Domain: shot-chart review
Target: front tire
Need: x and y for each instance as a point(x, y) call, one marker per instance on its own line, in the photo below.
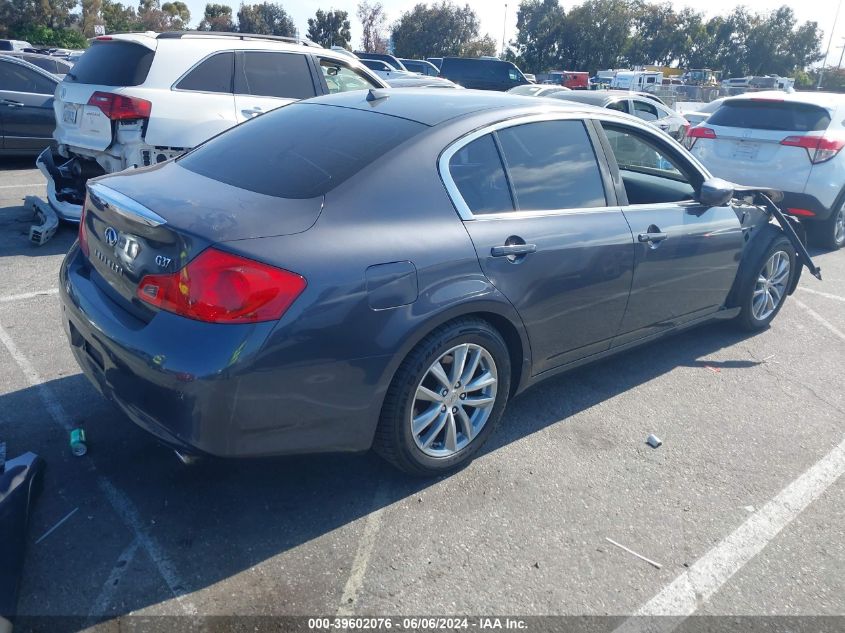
point(446, 399)
point(765, 283)
point(830, 233)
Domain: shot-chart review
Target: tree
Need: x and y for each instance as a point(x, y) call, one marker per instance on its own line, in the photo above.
point(330, 28)
point(596, 34)
point(539, 36)
point(442, 30)
point(217, 17)
point(176, 15)
point(119, 19)
point(372, 19)
point(265, 19)
point(90, 16)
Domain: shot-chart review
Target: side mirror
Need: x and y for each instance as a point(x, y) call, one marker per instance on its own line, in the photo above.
point(716, 192)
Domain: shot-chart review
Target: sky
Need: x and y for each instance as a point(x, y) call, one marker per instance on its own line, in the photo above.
point(494, 17)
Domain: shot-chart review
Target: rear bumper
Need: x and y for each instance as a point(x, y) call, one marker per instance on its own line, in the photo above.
point(66, 211)
point(214, 389)
point(796, 204)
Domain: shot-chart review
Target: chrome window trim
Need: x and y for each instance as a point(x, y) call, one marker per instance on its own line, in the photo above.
point(125, 206)
point(454, 193)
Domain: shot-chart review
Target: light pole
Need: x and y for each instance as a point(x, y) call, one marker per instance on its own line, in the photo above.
point(505, 25)
point(829, 42)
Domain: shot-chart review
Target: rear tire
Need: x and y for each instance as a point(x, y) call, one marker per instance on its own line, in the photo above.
point(764, 283)
point(830, 233)
point(446, 399)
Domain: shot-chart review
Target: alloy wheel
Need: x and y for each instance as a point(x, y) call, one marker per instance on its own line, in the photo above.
point(771, 286)
point(839, 226)
point(454, 400)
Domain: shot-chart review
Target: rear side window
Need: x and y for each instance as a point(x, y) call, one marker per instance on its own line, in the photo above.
point(16, 78)
point(771, 115)
point(645, 111)
point(299, 151)
point(478, 173)
point(113, 63)
point(552, 166)
point(283, 75)
point(214, 74)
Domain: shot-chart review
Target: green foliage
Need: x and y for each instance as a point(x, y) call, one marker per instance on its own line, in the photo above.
point(330, 28)
point(118, 18)
point(45, 36)
point(265, 19)
point(598, 34)
point(440, 30)
point(372, 20)
point(217, 17)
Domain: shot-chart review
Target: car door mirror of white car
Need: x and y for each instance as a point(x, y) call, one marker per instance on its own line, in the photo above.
point(716, 192)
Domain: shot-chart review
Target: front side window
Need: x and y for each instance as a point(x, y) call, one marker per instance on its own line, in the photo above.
point(620, 106)
point(479, 175)
point(283, 75)
point(341, 78)
point(15, 78)
point(645, 111)
point(650, 172)
point(552, 165)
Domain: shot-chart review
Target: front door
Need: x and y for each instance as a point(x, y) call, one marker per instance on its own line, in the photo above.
point(687, 254)
point(26, 104)
point(267, 80)
point(535, 204)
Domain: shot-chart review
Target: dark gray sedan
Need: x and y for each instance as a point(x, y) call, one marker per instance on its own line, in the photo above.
point(387, 268)
point(27, 120)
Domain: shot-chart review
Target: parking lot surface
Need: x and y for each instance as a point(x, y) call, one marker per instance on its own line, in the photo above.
point(742, 506)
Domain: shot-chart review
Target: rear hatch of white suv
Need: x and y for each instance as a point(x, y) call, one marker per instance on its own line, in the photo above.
point(97, 92)
point(765, 141)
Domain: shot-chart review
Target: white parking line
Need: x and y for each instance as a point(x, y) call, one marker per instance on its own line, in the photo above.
point(365, 550)
point(37, 184)
point(29, 295)
point(710, 572)
point(818, 317)
point(121, 504)
point(826, 295)
point(103, 601)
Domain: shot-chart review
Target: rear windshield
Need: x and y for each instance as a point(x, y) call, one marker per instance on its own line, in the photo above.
point(771, 115)
point(300, 150)
point(113, 63)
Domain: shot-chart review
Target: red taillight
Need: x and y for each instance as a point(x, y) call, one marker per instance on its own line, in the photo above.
point(120, 107)
point(695, 133)
point(83, 233)
point(819, 149)
point(802, 212)
point(219, 287)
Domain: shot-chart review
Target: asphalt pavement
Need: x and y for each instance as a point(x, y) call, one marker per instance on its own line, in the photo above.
point(742, 507)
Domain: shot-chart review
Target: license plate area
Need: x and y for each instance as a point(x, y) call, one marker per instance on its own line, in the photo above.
point(69, 114)
point(746, 151)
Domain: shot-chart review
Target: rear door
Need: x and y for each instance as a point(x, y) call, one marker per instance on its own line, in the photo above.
point(749, 147)
point(686, 254)
point(26, 108)
point(534, 200)
point(109, 66)
point(266, 80)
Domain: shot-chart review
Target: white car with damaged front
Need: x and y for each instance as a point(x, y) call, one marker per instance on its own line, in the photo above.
point(135, 100)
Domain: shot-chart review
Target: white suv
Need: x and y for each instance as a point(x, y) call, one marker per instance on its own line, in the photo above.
point(791, 142)
point(139, 99)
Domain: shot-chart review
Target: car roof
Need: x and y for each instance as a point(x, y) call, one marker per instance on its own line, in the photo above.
point(592, 97)
point(828, 100)
point(432, 107)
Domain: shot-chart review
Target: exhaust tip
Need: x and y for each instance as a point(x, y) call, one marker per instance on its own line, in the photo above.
point(185, 458)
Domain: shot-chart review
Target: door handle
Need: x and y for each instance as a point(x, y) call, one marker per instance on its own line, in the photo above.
point(251, 112)
point(653, 238)
point(12, 104)
point(512, 250)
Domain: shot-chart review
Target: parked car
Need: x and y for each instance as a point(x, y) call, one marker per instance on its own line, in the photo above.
point(654, 113)
point(386, 71)
point(574, 80)
point(138, 99)
point(213, 297)
point(26, 107)
point(482, 74)
point(530, 77)
point(789, 140)
point(421, 66)
point(53, 65)
point(639, 93)
point(537, 90)
point(384, 57)
point(421, 81)
point(643, 80)
point(701, 114)
point(435, 61)
point(14, 45)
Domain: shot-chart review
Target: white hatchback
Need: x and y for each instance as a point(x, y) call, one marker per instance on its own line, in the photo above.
point(139, 99)
point(791, 142)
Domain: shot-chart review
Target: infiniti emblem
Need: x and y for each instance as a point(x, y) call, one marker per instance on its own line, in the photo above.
point(111, 236)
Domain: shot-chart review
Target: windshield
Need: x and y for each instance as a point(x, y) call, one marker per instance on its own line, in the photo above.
point(771, 115)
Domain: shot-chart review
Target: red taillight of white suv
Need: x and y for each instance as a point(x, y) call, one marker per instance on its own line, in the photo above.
point(695, 133)
point(121, 107)
point(219, 287)
point(819, 149)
